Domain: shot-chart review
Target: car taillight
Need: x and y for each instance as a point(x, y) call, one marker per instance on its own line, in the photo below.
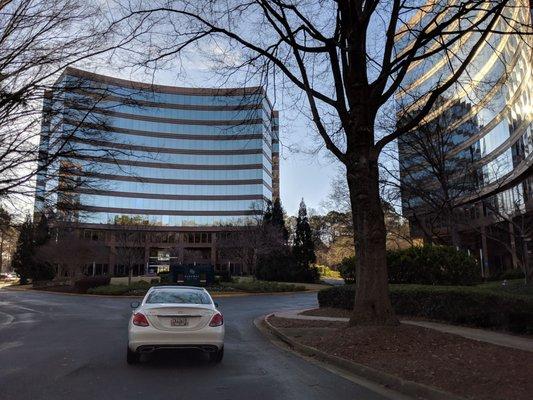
point(217, 320)
point(140, 320)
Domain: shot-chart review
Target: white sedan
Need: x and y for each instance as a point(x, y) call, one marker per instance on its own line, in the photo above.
point(176, 317)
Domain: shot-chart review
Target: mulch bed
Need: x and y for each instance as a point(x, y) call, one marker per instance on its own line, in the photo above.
point(328, 312)
point(465, 367)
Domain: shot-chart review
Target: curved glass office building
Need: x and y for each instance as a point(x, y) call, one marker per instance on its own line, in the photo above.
point(477, 155)
point(174, 159)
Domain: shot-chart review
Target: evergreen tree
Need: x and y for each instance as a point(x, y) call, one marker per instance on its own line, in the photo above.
point(278, 218)
point(23, 260)
point(42, 268)
point(42, 231)
point(267, 216)
point(304, 247)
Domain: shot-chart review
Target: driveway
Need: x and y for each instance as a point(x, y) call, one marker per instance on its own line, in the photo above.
point(72, 347)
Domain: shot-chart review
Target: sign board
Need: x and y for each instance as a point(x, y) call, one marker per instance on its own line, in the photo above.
point(193, 275)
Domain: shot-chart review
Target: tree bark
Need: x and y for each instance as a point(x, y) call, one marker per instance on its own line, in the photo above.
point(372, 302)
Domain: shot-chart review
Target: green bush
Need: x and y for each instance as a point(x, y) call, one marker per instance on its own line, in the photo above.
point(261, 286)
point(432, 265)
point(114, 290)
point(136, 288)
point(455, 304)
point(508, 275)
point(84, 284)
point(347, 269)
point(326, 272)
point(166, 277)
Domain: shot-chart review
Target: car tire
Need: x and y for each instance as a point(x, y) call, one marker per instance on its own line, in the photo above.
point(132, 357)
point(216, 356)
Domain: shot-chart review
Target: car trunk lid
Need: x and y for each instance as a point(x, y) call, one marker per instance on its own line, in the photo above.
point(182, 317)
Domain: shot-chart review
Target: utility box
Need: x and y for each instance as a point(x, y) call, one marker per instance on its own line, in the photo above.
point(193, 274)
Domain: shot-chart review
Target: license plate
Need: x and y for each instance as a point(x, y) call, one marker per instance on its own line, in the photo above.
point(179, 321)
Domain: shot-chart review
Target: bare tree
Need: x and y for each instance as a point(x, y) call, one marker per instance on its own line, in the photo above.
point(8, 238)
point(129, 241)
point(68, 251)
point(348, 58)
point(249, 242)
point(38, 40)
point(435, 177)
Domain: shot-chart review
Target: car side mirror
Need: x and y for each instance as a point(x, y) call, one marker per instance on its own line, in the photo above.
point(135, 304)
point(216, 304)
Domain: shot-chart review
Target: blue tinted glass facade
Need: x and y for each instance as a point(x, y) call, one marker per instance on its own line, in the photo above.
point(172, 156)
point(487, 117)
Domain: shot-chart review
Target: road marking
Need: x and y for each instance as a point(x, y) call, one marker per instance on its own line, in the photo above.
point(10, 345)
point(9, 304)
point(8, 320)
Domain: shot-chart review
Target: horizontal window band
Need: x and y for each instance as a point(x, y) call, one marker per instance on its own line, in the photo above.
point(205, 167)
point(163, 212)
point(158, 196)
point(149, 164)
point(207, 182)
point(126, 100)
point(226, 122)
point(128, 84)
point(185, 136)
point(126, 146)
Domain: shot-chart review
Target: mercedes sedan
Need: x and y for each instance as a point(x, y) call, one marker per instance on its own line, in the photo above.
point(176, 317)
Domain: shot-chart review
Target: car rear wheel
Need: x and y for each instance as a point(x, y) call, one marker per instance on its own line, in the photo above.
point(216, 356)
point(132, 357)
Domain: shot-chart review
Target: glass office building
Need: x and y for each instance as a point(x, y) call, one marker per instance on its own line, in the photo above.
point(177, 160)
point(484, 127)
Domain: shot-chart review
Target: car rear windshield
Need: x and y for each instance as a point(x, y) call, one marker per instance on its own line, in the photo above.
point(178, 296)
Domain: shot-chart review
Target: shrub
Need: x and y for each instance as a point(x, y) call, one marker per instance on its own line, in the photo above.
point(347, 269)
point(508, 275)
point(261, 286)
point(166, 277)
point(282, 267)
point(114, 290)
point(326, 272)
point(432, 265)
point(455, 304)
point(43, 271)
point(84, 284)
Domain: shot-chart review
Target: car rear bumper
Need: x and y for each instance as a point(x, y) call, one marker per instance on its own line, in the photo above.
point(147, 339)
point(207, 348)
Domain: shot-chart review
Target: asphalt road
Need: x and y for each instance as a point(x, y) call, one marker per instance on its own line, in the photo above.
point(71, 347)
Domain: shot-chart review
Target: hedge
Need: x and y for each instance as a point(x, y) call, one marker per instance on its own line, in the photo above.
point(136, 288)
point(455, 304)
point(432, 265)
point(89, 282)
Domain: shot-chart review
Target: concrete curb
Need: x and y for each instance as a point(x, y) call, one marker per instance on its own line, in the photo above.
point(409, 388)
point(215, 296)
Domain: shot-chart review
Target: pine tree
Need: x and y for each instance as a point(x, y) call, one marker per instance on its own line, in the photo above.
point(275, 215)
point(304, 246)
point(267, 216)
point(42, 231)
point(278, 218)
point(23, 260)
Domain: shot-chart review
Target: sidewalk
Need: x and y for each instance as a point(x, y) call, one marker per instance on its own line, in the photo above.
point(497, 338)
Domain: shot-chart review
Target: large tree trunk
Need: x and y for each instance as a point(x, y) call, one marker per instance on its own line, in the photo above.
point(372, 301)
